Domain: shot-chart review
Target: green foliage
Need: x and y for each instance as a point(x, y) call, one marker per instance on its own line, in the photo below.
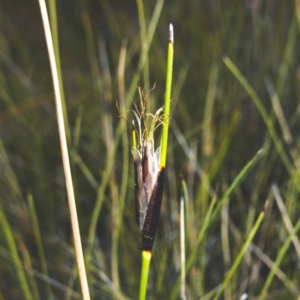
point(235, 91)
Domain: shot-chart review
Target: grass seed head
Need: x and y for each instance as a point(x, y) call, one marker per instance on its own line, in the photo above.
point(146, 123)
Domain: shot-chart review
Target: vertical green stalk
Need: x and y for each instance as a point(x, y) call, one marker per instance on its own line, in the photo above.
point(297, 4)
point(54, 31)
point(165, 130)
point(278, 260)
point(147, 253)
point(211, 215)
point(240, 256)
point(28, 267)
point(182, 242)
point(264, 114)
point(144, 44)
point(15, 255)
point(37, 236)
point(146, 258)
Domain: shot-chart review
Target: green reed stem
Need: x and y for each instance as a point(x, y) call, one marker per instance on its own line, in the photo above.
point(165, 130)
point(211, 215)
point(278, 260)
point(240, 256)
point(15, 255)
point(38, 239)
point(54, 31)
point(264, 114)
point(146, 258)
point(143, 33)
point(146, 255)
point(297, 4)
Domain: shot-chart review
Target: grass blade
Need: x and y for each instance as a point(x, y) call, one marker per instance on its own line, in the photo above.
point(210, 216)
point(287, 221)
point(240, 256)
point(37, 235)
point(259, 105)
point(15, 255)
point(278, 260)
point(54, 31)
point(65, 155)
point(165, 130)
point(278, 272)
point(182, 243)
point(146, 258)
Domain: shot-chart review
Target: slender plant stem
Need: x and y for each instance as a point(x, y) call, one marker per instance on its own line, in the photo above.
point(182, 248)
point(211, 215)
point(165, 130)
point(38, 239)
point(278, 260)
point(65, 155)
point(54, 31)
point(144, 42)
point(146, 255)
point(15, 255)
point(260, 107)
point(146, 258)
point(297, 4)
point(241, 254)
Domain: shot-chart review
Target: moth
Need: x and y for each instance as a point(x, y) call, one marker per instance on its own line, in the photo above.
point(149, 176)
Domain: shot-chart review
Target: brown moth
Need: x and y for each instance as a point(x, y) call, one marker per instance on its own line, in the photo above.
point(148, 175)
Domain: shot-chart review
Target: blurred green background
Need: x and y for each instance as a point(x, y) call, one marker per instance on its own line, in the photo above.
point(216, 128)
